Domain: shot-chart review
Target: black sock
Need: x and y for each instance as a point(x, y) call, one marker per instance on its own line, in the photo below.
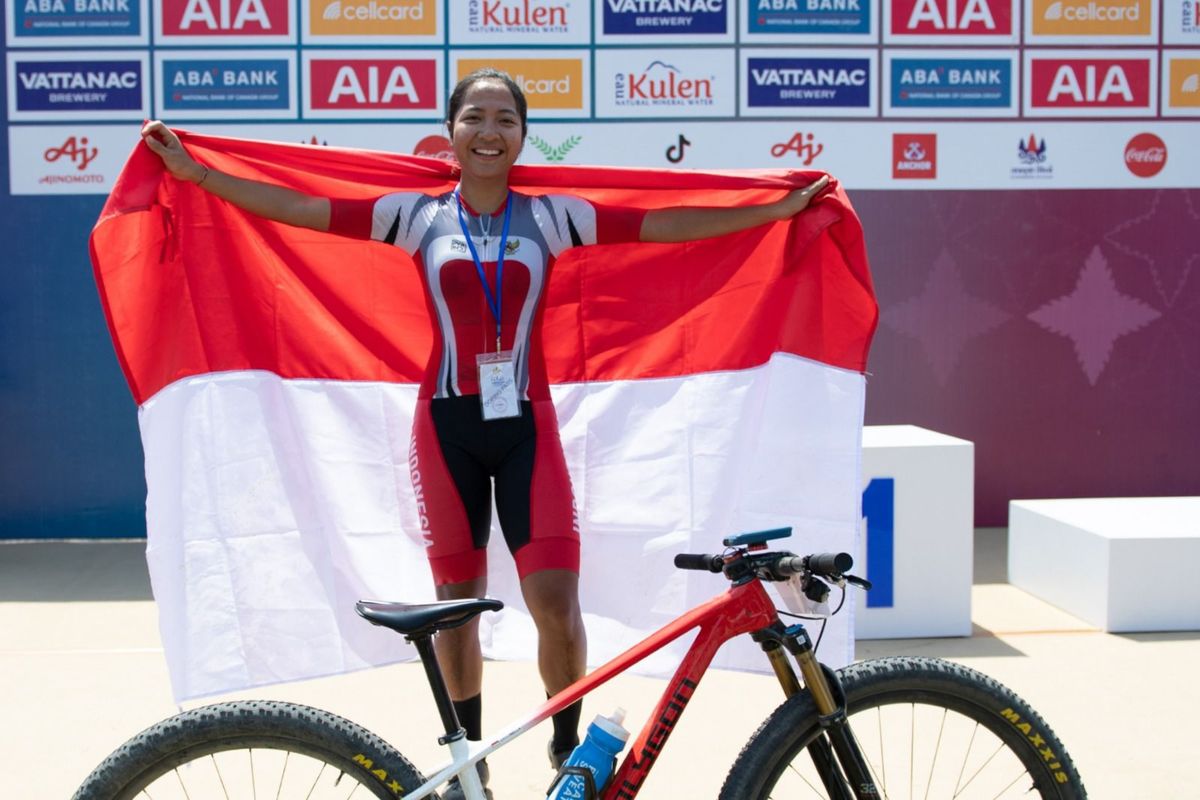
point(470, 715)
point(566, 727)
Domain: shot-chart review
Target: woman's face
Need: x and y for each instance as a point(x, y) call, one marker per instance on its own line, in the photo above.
point(486, 131)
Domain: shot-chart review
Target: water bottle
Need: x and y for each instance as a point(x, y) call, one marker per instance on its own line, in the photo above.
point(597, 753)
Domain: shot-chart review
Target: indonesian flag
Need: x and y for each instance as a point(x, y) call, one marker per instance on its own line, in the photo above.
point(702, 389)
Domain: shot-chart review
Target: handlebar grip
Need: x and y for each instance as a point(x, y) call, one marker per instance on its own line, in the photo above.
point(829, 563)
point(700, 562)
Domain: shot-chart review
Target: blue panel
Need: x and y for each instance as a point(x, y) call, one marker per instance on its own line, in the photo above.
point(879, 507)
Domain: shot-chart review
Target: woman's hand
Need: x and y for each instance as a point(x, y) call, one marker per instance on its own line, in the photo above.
point(798, 200)
point(163, 141)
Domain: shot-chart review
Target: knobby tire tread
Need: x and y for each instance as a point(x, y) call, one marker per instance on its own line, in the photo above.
point(780, 738)
point(250, 723)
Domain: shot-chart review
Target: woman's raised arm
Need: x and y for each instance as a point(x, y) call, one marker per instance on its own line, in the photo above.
point(691, 222)
point(263, 199)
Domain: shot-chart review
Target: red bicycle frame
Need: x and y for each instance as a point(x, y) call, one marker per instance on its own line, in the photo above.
point(745, 608)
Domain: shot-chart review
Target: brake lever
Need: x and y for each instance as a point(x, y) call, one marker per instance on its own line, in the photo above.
point(861, 583)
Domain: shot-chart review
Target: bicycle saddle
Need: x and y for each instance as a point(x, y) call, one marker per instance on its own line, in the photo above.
point(423, 619)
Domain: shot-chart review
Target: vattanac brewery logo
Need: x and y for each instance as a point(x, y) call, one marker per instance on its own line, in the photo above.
point(1033, 160)
point(516, 16)
point(661, 84)
point(658, 17)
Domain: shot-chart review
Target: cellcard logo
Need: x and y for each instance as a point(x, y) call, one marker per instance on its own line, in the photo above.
point(810, 16)
point(1091, 17)
point(1145, 155)
point(225, 84)
point(1184, 77)
point(374, 84)
point(951, 83)
point(1032, 160)
point(660, 84)
point(1081, 83)
point(516, 16)
point(914, 155)
point(39, 18)
point(664, 17)
point(372, 17)
point(64, 86)
point(809, 82)
point(548, 83)
point(951, 17)
point(213, 18)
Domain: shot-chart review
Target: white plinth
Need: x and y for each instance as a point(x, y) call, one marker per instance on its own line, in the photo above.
point(1119, 563)
point(933, 533)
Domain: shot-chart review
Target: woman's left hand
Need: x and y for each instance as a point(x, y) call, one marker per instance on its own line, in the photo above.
point(799, 199)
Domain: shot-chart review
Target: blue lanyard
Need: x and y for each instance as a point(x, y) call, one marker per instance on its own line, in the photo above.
point(493, 301)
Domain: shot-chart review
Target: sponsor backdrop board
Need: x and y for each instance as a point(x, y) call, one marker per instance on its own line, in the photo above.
point(1079, 297)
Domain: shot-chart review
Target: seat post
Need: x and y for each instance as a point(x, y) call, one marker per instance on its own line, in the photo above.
point(437, 684)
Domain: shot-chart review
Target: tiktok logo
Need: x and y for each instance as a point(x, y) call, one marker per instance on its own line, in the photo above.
point(74, 149)
point(804, 145)
point(675, 151)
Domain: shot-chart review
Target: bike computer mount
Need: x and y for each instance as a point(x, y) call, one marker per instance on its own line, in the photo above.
point(759, 538)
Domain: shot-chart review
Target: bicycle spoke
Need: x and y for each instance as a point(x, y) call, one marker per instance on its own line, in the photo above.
point(179, 778)
point(937, 748)
point(815, 790)
point(253, 783)
point(316, 780)
point(282, 775)
point(966, 758)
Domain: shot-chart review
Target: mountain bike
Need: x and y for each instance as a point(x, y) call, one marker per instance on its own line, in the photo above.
point(886, 728)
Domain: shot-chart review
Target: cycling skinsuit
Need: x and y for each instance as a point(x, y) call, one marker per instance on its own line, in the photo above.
point(455, 454)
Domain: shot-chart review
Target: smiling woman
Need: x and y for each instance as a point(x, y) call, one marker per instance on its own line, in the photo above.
point(484, 421)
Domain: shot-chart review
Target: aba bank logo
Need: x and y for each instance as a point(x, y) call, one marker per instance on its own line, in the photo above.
point(1090, 82)
point(951, 17)
point(77, 18)
point(810, 16)
point(516, 16)
point(373, 84)
point(661, 84)
point(1033, 160)
point(809, 82)
point(1091, 17)
point(664, 16)
point(226, 17)
point(914, 155)
point(79, 85)
point(951, 83)
point(226, 84)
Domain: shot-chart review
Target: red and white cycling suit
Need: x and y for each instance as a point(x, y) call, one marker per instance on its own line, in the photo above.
point(455, 453)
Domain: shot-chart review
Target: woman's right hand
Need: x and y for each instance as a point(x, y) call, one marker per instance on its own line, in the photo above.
point(163, 141)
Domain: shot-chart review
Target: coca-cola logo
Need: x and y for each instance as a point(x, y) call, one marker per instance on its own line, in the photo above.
point(1145, 155)
point(435, 147)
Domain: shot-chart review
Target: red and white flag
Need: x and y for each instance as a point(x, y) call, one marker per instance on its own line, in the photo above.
point(703, 389)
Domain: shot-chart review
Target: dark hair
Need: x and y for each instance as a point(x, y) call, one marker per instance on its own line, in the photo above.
point(486, 74)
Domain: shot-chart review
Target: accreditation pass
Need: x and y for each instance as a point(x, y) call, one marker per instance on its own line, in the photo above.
point(498, 385)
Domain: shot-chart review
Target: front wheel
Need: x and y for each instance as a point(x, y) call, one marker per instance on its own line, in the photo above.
point(927, 728)
point(252, 749)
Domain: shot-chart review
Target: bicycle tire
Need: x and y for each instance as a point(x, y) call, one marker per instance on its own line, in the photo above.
point(774, 763)
point(205, 749)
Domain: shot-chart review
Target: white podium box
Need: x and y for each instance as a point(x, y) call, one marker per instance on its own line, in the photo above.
point(1119, 563)
point(921, 560)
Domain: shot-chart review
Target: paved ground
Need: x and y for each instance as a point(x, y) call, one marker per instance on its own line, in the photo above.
point(81, 670)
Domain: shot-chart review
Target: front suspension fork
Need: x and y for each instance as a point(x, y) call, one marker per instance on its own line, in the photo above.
point(830, 701)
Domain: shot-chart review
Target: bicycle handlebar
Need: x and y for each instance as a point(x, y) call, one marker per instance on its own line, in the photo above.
point(700, 562)
point(780, 566)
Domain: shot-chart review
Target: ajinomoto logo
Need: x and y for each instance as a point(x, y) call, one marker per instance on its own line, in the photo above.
point(1184, 80)
point(1091, 17)
point(548, 83)
point(373, 17)
point(951, 17)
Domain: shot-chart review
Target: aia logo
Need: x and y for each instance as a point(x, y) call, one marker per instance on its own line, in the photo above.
point(435, 147)
point(1146, 155)
point(914, 155)
point(1079, 83)
point(804, 145)
point(1032, 151)
point(75, 150)
point(226, 18)
point(952, 17)
point(373, 84)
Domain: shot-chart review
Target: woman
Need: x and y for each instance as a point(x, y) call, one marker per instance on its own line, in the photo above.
point(484, 414)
